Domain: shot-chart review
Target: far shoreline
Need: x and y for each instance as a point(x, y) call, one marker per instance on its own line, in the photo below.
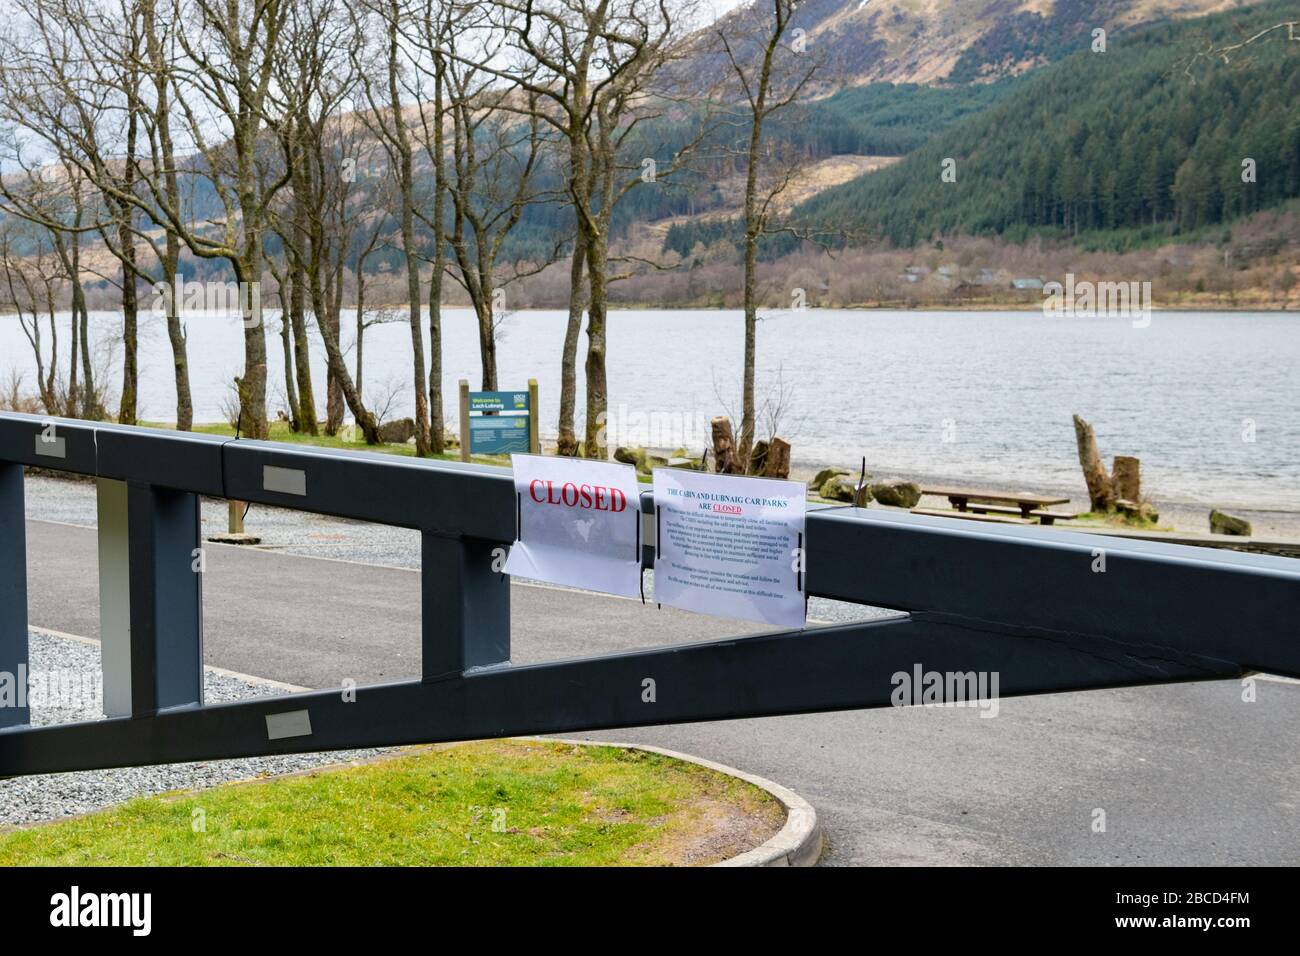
point(924, 307)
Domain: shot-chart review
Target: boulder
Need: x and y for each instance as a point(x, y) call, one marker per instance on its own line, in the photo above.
point(1223, 523)
point(898, 492)
point(629, 456)
point(397, 432)
point(1137, 509)
point(819, 479)
point(837, 488)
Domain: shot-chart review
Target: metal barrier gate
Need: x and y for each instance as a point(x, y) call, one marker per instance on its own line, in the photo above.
point(1027, 603)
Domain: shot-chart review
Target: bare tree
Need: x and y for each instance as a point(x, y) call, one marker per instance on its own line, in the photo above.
point(31, 280)
point(387, 119)
point(46, 188)
point(320, 49)
point(768, 75)
point(495, 158)
point(592, 69)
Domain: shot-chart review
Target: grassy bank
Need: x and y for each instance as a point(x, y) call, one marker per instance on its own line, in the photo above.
point(281, 432)
point(492, 803)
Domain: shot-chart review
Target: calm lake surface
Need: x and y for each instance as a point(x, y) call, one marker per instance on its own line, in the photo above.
point(1209, 401)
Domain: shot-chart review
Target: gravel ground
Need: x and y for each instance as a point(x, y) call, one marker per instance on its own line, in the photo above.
point(52, 796)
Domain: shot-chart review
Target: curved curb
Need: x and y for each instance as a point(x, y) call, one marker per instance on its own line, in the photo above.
point(798, 843)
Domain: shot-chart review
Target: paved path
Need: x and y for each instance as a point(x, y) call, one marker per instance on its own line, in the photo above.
point(1185, 773)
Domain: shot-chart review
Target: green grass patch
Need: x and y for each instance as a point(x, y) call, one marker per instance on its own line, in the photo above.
point(281, 432)
point(1114, 519)
point(490, 803)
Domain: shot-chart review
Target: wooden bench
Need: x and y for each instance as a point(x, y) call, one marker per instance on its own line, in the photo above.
point(969, 516)
point(1043, 516)
point(961, 498)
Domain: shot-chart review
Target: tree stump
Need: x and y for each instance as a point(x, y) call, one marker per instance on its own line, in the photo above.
point(1100, 493)
point(724, 446)
point(1126, 478)
point(776, 463)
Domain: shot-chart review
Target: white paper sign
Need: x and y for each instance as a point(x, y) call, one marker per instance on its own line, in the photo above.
point(730, 546)
point(579, 524)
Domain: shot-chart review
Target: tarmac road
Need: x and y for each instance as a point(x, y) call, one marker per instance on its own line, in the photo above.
point(1184, 773)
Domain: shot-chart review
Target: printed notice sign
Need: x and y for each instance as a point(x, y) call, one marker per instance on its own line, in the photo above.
point(579, 524)
point(730, 546)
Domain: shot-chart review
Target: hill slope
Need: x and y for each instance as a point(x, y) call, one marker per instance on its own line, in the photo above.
point(951, 41)
point(1146, 135)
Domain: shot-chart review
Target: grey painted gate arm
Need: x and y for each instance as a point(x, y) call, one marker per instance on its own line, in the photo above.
point(1043, 610)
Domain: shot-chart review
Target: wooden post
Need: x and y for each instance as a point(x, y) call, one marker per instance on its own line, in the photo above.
point(1126, 478)
point(776, 463)
point(534, 439)
point(464, 419)
point(1101, 495)
point(235, 524)
point(724, 446)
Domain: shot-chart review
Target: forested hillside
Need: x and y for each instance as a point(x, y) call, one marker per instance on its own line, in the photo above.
point(1147, 135)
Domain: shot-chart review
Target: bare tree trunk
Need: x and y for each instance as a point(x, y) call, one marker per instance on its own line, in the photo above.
point(89, 397)
point(487, 344)
point(81, 316)
point(176, 335)
point(334, 358)
point(252, 408)
point(1100, 493)
point(127, 408)
point(70, 402)
point(361, 329)
point(567, 443)
point(334, 401)
point(286, 350)
point(597, 387)
point(747, 413)
point(305, 411)
point(437, 440)
point(405, 181)
point(50, 392)
point(286, 344)
point(753, 228)
point(169, 181)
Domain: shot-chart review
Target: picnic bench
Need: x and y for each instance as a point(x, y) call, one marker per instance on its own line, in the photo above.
point(1022, 503)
